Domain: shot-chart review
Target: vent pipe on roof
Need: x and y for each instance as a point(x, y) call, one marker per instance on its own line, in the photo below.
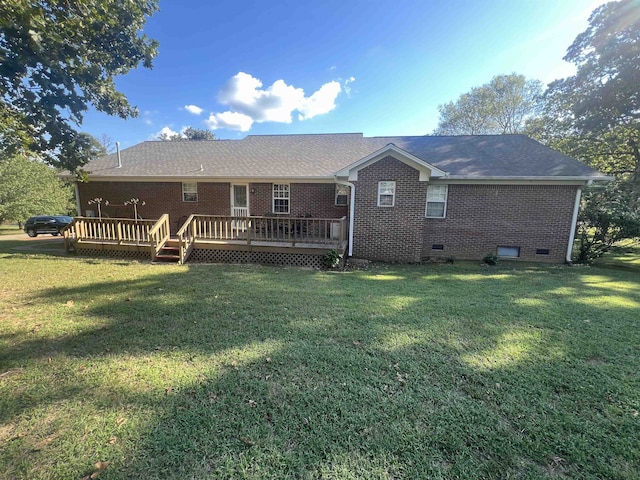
point(118, 150)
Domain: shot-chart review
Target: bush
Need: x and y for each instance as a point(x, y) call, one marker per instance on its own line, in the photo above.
point(331, 259)
point(490, 258)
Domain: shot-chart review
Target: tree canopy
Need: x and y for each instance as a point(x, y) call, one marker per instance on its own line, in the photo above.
point(30, 187)
point(57, 57)
point(594, 115)
point(500, 106)
point(600, 104)
point(189, 133)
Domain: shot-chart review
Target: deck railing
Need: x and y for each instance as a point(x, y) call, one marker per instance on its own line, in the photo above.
point(293, 230)
point(186, 239)
point(120, 231)
point(159, 234)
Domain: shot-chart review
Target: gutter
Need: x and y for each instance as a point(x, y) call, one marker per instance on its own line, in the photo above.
point(574, 221)
point(352, 208)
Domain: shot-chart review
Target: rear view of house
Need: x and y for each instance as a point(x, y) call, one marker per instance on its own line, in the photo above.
point(394, 199)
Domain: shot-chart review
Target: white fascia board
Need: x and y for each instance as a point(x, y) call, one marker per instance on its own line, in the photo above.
point(426, 169)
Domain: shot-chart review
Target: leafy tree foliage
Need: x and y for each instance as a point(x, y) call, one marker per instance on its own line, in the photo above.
point(601, 101)
point(498, 107)
point(189, 133)
point(30, 187)
point(594, 115)
point(608, 215)
point(56, 58)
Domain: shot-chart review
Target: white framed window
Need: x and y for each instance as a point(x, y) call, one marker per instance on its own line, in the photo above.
point(281, 196)
point(386, 194)
point(342, 194)
point(436, 201)
point(190, 192)
point(507, 252)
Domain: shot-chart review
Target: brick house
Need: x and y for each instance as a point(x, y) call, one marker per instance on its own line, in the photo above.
point(404, 198)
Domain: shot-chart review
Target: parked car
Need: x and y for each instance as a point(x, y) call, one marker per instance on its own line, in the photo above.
point(46, 224)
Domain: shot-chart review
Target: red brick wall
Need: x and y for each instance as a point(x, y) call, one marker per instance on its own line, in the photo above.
point(306, 199)
point(160, 198)
point(315, 199)
point(391, 234)
point(481, 217)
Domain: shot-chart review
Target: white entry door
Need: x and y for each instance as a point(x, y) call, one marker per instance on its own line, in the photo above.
point(240, 200)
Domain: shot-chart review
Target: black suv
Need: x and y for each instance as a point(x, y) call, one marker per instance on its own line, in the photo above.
point(46, 224)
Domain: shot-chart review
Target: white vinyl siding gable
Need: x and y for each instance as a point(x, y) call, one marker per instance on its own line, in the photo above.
point(437, 201)
point(386, 194)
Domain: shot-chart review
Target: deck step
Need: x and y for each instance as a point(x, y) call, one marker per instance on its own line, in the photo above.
point(168, 254)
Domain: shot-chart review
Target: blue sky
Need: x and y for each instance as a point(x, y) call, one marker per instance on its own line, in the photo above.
point(378, 67)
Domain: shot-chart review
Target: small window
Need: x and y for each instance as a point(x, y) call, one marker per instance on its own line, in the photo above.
point(189, 192)
point(342, 194)
point(436, 201)
point(506, 252)
point(437, 246)
point(542, 251)
point(281, 198)
point(386, 194)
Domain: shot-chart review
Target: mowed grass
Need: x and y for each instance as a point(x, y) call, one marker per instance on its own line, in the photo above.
point(209, 371)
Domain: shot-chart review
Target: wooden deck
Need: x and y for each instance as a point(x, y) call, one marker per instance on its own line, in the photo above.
point(279, 235)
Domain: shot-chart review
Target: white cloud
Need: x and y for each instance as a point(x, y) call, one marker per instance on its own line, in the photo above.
point(250, 103)
point(230, 120)
point(193, 109)
point(322, 101)
point(165, 131)
point(346, 85)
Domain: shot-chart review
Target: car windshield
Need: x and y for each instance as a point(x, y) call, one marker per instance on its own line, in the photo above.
point(64, 218)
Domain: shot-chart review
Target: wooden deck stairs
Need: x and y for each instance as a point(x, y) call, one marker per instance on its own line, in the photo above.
point(169, 252)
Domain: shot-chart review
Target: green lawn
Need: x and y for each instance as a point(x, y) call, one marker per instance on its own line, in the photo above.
point(6, 229)
point(199, 371)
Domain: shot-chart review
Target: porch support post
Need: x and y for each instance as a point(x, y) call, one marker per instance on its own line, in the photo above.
point(352, 210)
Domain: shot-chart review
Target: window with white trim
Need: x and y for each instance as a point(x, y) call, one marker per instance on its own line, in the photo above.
point(386, 194)
point(281, 195)
point(342, 194)
point(189, 192)
point(436, 201)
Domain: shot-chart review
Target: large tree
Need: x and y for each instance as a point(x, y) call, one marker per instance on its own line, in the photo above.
point(594, 115)
point(500, 106)
point(30, 187)
point(57, 57)
point(601, 102)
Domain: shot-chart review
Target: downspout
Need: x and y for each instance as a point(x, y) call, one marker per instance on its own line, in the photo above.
point(352, 207)
point(77, 192)
point(574, 221)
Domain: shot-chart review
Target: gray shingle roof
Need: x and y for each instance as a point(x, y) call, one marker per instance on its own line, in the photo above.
point(308, 156)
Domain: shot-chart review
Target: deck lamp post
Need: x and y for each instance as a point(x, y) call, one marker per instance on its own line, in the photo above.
point(98, 202)
point(135, 202)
